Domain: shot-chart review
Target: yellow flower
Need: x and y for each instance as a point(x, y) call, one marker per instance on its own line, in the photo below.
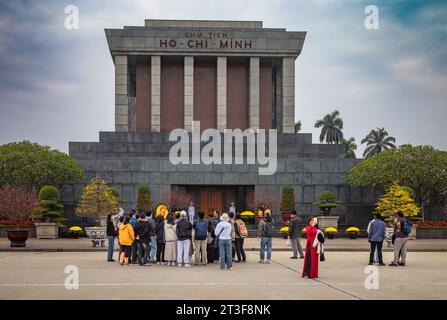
point(353, 229)
point(247, 214)
point(330, 230)
point(75, 228)
point(284, 229)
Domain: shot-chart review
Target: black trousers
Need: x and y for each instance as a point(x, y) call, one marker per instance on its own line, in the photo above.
point(161, 252)
point(134, 253)
point(374, 245)
point(239, 242)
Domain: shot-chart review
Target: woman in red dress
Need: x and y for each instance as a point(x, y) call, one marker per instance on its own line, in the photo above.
point(310, 268)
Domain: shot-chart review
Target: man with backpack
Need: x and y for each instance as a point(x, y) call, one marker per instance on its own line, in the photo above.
point(142, 235)
point(265, 234)
point(402, 229)
point(201, 228)
point(213, 248)
point(241, 233)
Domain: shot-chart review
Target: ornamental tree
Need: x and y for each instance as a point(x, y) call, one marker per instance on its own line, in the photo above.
point(260, 200)
point(326, 201)
point(287, 199)
point(397, 199)
point(422, 168)
point(51, 209)
point(34, 166)
point(97, 200)
point(144, 199)
point(18, 203)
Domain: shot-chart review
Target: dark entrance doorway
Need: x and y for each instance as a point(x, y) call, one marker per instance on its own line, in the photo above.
point(208, 198)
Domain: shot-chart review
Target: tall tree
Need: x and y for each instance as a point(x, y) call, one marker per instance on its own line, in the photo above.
point(298, 126)
point(422, 168)
point(331, 128)
point(350, 147)
point(377, 141)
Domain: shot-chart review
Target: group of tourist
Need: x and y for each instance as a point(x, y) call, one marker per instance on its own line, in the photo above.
point(174, 239)
point(377, 234)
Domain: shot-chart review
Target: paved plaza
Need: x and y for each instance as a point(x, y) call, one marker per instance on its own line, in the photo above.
point(40, 275)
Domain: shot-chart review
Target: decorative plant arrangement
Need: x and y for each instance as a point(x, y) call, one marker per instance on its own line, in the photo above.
point(144, 199)
point(248, 216)
point(18, 203)
point(287, 203)
point(353, 232)
point(330, 232)
point(326, 202)
point(75, 232)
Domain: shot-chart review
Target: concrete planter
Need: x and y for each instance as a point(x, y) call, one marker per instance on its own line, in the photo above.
point(327, 221)
point(47, 230)
point(431, 233)
point(98, 235)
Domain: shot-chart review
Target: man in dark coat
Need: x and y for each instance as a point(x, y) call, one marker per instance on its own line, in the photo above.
point(294, 235)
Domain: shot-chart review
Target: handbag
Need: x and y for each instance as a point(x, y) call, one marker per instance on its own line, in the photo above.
point(322, 258)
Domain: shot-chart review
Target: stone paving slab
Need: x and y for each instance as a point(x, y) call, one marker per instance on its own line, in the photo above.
point(251, 244)
point(40, 275)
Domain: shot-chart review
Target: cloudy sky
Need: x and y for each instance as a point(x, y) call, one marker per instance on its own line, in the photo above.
point(57, 85)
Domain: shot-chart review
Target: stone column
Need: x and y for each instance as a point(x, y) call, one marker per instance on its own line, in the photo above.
point(221, 93)
point(253, 112)
point(155, 93)
point(121, 94)
point(189, 92)
point(288, 95)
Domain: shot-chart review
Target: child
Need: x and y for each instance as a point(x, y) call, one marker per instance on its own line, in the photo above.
point(126, 236)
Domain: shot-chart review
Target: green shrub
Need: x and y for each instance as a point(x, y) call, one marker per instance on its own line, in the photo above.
point(50, 207)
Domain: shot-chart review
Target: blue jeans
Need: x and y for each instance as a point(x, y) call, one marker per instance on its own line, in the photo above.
point(143, 252)
point(153, 245)
point(111, 246)
point(266, 242)
point(225, 254)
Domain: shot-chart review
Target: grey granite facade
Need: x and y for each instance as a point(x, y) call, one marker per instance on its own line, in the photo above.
point(127, 159)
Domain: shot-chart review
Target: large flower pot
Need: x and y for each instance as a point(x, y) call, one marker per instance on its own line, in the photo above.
point(286, 216)
point(352, 235)
point(97, 235)
point(327, 221)
point(47, 230)
point(17, 237)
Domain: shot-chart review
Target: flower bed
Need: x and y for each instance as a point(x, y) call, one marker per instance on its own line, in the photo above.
point(432, 224)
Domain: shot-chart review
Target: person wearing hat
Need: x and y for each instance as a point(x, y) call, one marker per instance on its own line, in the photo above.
point(184, 233)
point(223, 234)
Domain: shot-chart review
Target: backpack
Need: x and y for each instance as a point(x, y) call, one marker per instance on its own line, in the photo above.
point(405, 226)
point(267, 229)
point(243, 232)
point(201, 229)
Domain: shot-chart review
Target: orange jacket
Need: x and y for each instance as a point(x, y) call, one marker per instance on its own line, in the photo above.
point(126, 235)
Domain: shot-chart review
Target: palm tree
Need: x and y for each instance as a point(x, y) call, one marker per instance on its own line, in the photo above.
point(377, 141)
point(350, 147)
point(332, 126)
point(298, 126)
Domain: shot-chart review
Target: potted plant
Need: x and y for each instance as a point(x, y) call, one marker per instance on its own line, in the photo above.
point(330, 232)
point(97, 201)
point(303, 233)
point(353, 232)
point(284, 231)
point(75, 232)
point(260, 202)
point(144, 199)
point(17, 203)
point(248, 216)
point(51, 213)
point(287, 202)
point(326, 202)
